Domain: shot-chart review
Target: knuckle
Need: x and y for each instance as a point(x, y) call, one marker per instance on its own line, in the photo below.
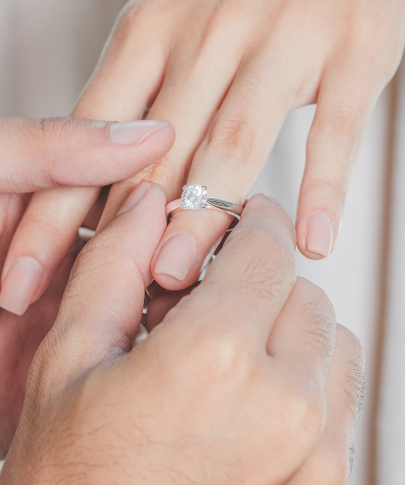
point(330, 188)
point(304, 409)
point(221, 353)
point(56, 130)
point(342, 125)
point(56, 134)
point(271, 268)
point(230, 138)
point(45, 232)
point(269, 279)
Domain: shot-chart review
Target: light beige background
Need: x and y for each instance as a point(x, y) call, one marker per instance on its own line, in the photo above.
point(49, 48)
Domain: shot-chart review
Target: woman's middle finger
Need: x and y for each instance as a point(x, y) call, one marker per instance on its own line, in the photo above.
point(233, 153)
point(197, 77)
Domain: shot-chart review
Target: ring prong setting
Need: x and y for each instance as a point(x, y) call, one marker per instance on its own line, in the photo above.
point(194, 197)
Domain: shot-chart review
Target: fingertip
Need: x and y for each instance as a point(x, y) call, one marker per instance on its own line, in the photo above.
point(142, 190)
point(175, 260)
point(260, 207)
point(259, 202)
point(158, 191)
point(20, 285)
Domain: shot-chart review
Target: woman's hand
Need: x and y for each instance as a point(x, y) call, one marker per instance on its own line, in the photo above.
point(233, 387)
point(226, 73)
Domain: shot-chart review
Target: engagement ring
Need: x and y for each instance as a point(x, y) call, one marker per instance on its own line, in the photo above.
point(195, 197)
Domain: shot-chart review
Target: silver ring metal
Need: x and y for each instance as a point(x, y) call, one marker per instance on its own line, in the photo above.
point(195, 197)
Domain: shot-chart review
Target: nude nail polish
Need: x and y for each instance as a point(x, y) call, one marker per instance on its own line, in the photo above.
point(20, 285)
point(134, 132)
point(320, 234)
point(177, 257)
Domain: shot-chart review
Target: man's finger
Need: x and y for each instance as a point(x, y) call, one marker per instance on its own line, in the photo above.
point(71, 151)
point(103, 302)
point(303, 338)
point(251, 278)
point(329, 463)
point(39, 154)
point(300, 346)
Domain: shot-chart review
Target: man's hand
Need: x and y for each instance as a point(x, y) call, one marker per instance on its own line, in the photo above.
point(35, 155)
point(233, 386)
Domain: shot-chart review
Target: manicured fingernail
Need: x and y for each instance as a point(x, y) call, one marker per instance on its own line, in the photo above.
point(20, 285)
point(177, 256)
point(135, 196)
point(134, 132)
point(320, 234)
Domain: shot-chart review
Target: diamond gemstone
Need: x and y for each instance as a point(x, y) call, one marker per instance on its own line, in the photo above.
point(194, 196)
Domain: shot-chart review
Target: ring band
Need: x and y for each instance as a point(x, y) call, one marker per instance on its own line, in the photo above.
point(194, 197)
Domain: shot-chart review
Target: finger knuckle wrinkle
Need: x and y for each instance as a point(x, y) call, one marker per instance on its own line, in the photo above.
point(230, 138)
point(270, 249)
point(328, 189)
point(345, 126)
point(56, 127)
point(48, 229)
point(342, 128)
point(263, 280)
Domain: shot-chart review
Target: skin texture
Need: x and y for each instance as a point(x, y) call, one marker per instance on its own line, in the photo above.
point(245, 382)
point(37, 154)
point(226, 73)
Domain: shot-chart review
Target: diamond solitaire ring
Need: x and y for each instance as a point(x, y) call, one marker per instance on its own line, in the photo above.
point(195, 197)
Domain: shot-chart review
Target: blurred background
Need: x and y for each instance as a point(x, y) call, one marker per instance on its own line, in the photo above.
point(49, 49)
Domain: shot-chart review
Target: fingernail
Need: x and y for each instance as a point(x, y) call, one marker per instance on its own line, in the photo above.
point(320, 234)
point(134, 132)
point(177, 256)
point(20, 286)
point(135, 196)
